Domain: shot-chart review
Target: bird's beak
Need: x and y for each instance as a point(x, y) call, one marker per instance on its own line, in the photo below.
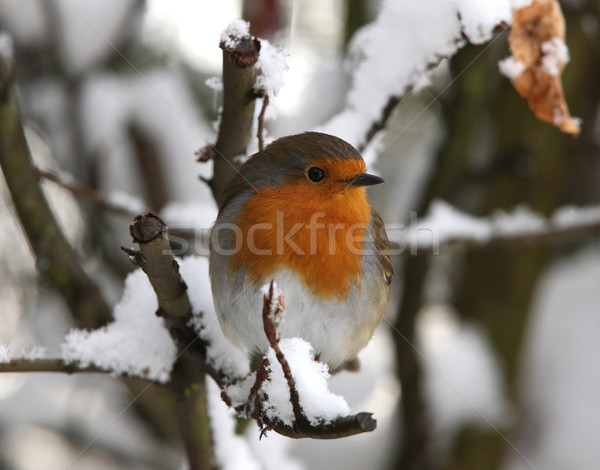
point(364, 179)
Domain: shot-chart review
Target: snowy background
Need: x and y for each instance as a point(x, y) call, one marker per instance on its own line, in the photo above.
point(119, 94)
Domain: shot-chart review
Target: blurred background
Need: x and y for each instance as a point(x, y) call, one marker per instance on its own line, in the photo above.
point(487, 356)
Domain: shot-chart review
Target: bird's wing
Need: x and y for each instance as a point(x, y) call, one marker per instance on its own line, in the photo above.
point(382, 244)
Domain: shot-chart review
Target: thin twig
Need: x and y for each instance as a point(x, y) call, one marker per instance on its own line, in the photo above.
point(80, 189)
point(274, 308)
point(49, 365)
point(382, 122)
point(261, 122)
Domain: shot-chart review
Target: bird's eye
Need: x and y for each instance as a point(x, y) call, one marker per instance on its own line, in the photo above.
point(315, 174)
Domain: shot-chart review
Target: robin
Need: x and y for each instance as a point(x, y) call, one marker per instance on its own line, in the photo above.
point(297, 213)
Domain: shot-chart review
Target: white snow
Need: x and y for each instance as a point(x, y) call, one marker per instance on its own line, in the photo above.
point(236, 31)
point(239, 391)
point(6, 49)
point(555, 55)
point(4, 353)
point(463, 381)
point(572, 216)
point(215, 83)
point(520, 221)
point(478, 19)
point(516, 4)
point(136, 342)
point(271, 66)
point(445, 223)
point(318, 403)
point(34, 352)
point(511, 68)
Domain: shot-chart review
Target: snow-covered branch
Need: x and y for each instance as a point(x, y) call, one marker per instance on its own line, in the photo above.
point(288, 393)
point(47, 365)
point(445, 225)
point(117, 203)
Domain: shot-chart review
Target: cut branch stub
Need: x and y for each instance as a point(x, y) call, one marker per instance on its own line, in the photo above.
point(239, 75)
point(243, 51)
point(150, 233)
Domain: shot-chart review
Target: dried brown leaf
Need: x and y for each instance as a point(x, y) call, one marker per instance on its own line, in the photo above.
point(537, 35)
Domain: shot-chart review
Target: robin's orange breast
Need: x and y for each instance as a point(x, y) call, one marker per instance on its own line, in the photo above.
point(316, 232)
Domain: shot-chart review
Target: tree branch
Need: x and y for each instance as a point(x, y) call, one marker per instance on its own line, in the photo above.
point(239, 75)
point(187, 383)
point(80, 189)
point(48, 365)
point(57, 262)
point(382, 122)
point(261, 122)
point(549, 232)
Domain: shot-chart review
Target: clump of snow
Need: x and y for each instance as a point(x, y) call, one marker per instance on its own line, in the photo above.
point(462, 378)
point(239, 391)
point(236, 31)
point(478, 19)
point(270, 65)
point(517, 4)
point(511, 68)
point(221, 354)
point(215, 83)
point(33, 353)
point(4, 353)
point(557, 116)
point(444, 222)
point(319, 404)
point(555, 55)
point(522, 220)
point(571, 216)
point(135, 343)
point(6, 49)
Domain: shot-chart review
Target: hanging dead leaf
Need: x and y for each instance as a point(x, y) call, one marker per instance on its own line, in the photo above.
point(539, 55)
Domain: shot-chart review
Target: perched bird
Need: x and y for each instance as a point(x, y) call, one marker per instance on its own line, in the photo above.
point(298, 214)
